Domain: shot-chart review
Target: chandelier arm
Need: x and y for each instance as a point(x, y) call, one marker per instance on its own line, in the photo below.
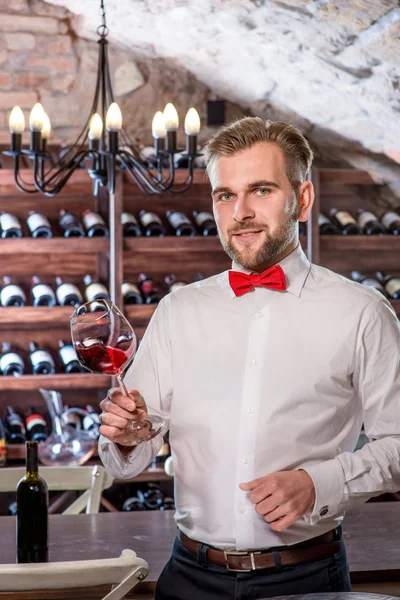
point(56, 172)
point(43, 187)
point(17, 179)
point(188, 181)
point(141, 179)
point(143, 171)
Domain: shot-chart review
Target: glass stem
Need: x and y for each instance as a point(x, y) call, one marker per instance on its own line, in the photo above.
point(122, 386)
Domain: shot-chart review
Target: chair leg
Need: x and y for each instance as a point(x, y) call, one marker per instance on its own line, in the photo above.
point(133, 578)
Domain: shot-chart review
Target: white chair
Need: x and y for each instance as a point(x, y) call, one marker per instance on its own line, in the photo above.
point(91, 479)
point(74, 579)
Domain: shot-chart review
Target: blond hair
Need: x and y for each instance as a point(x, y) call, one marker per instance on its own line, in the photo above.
point(246, 132)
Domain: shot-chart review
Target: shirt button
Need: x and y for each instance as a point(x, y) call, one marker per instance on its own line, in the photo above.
point(259, 314)
point(323, 511)
point(246, 460)
point(254, 361)
point(249, 410)
point(242, 510)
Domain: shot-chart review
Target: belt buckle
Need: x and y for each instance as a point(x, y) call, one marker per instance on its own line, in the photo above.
point(242, 553)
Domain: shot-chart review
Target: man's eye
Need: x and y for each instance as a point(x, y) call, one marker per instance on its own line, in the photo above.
point(225, 197)
point(263, 191)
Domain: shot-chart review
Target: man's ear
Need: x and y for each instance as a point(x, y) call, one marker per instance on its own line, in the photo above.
point(306, 197)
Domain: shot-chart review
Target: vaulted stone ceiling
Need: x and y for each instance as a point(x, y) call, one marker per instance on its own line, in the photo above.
point(329, 66)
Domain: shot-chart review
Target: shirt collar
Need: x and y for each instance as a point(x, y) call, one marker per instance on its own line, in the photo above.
point(296, 267)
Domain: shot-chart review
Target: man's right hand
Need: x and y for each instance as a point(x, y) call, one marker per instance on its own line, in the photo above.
point(119, 412)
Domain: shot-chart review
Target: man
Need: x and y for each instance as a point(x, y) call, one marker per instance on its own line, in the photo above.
point(265, 374)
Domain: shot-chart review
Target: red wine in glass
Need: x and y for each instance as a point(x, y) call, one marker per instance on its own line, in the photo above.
point(103, 359)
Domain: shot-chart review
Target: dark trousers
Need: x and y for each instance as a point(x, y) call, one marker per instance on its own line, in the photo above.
point(188, 576)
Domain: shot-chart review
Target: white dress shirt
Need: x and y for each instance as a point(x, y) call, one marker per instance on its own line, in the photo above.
point(269, 381)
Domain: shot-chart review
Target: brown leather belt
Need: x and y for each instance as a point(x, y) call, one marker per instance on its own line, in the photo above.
point(317, 548)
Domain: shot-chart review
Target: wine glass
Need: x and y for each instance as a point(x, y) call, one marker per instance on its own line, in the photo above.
point(105, 343)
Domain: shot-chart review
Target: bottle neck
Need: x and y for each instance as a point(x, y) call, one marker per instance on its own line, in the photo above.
point(32, 459)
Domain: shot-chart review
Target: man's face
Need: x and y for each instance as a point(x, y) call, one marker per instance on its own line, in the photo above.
point(254, 205)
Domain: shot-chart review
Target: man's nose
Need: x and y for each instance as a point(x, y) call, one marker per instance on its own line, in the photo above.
point(243, 209)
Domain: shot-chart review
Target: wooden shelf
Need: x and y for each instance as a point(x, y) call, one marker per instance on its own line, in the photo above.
point(347, 243)
point(29, 317)
point(345, 177)
point(58, 382)
point(148, 474)
point(140, 314)
point(56, 245)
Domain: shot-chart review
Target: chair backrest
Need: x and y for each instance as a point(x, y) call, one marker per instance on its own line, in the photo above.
point(123, 572)
point(93, 480)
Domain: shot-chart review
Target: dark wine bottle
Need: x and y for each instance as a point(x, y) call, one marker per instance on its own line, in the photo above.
point(95, 290)
point(326, 227)
point(70, 224)
point(130, 226)
point(32, 511)
point(41, 360)
point(173, 283)
point(205, 222)
point(391, 283)
point(345, 221)
point(11, 294)
point(150, 291)
point(38, 225)
point(15, 427)
point(153, 497)
point(10, 226)
point(42, 294)
point(134, 503)
point(368, 281)
point(302, 229)
point(94, 224)
point(152, 224)
point(36, 426)
point(181, 160)
point(368, 223)
point(3, 445)
point(391, 221)
point(181, 223)
point(11, 363)
point(131, 293)
point(67, 293)
point(69, 358)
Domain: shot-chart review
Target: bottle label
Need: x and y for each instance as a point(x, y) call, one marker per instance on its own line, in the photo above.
point(373, 283)
point(129, 287)
point(16, 421)
point(393, 286)
point(65, 289)
point(128, 218)
point(39, 356)
point(177, 285)
point(177, 218)
point(149, 217)
point(9, 291)
point(92, 218)
point(344, 217)
point(68, 354)
point(3, 452)
point(10, 358)
point(365, 217)
point(202, 217)
point(35, 419)
point(94, 289)
point(8, 221)
point(37, 220)
point(389, 218)
point(41, 289)
point(322, 219)
point(148, 286)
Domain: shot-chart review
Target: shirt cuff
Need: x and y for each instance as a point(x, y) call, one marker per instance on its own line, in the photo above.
point(329, 483)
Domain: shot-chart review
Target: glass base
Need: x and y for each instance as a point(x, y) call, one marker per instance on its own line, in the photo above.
point(145, 430)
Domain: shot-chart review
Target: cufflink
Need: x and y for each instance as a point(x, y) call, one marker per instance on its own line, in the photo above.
point(323, 511)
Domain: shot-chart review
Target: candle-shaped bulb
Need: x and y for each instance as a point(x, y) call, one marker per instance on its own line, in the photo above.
point(96, 127)
point(158, 126)
point(16, 120)
point(36, 117)
point(192, 122)
point(114, 118)
point(46, 128)
point(171, 118)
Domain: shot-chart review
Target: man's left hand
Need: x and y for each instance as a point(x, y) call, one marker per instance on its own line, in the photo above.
point(282, 498)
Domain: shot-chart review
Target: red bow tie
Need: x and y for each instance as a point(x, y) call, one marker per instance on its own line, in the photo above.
point(273, 278)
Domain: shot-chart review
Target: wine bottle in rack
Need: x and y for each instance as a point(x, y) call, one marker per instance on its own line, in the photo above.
point(67, 294)
point(391, 283)
point(134, 503)
point(41, 360)
point(391, 221)
point(15, 426)
point(72, 418)
point(3, 445)
point(95, 290)
point(368, 281)
point(181, 223)
point(345, 221)
point(11, 294)
point(32, 511)
point(39, 225)
point(326, 227)
point(91, 423)
point(69, 358)
point(205, 222)
point(181, 160)
point(11, 362)
point(302, 229)
point(150, 291)
point(70, 224)
point(36, 426)
point(152, 224)
point(131, 293)
point(173, 283)
point(10, 226)
point(130, 226)
point(368, 223)
point(94, 224)
point(42, 293)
